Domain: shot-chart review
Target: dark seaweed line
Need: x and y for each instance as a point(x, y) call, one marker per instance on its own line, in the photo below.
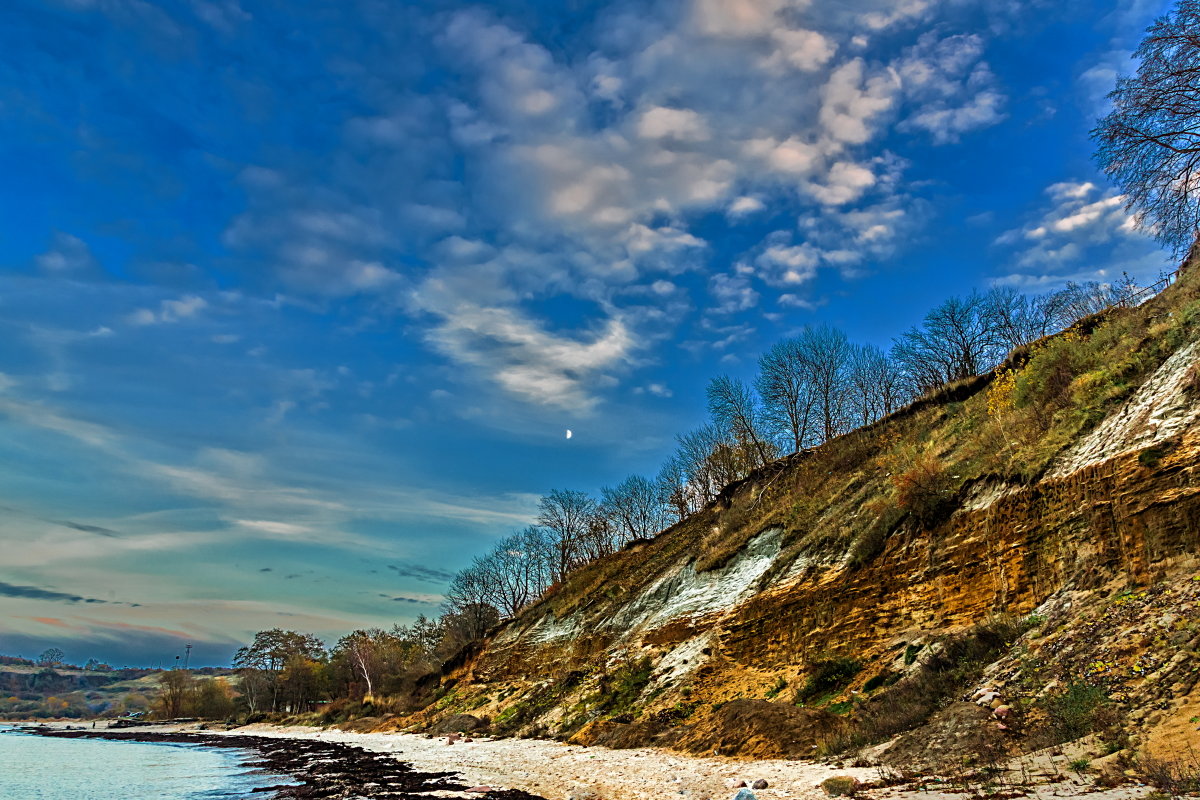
point(324, 769)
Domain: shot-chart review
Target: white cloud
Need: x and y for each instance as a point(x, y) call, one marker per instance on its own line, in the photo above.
point(679, 124)
point(169, 311)
point(800, 49)
point(1082, 228)
point(737, 17)
point(525, 360)
point(781, 265)
point(952, 89)
point(733, 293)
point(67, 255)
point(744, 206)
point(845, 183)
point(898, 12)
point(851, 101)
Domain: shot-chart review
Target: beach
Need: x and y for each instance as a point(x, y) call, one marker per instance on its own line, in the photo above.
point(517, 768)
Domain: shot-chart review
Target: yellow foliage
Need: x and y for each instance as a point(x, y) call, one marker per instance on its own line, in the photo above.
point(1000, 394)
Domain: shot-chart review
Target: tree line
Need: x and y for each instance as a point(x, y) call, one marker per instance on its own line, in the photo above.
point(808, 389)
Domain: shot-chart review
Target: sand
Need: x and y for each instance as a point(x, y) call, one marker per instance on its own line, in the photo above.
point(558, 771)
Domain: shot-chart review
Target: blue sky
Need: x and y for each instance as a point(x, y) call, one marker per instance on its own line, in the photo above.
point(297, 299)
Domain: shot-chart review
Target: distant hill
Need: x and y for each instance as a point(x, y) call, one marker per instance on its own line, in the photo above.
point(29, 691)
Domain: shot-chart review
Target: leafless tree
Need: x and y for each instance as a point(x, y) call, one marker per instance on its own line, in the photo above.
point(788, 394)
point(469, 598)
point(671, 484)
point(1149, 144)
point(706, 455)
point(635, 508)
point(958, 339)
point(826, 351)
point(567, 517)
point(516, 571)
point(874, 382)
point(734, 410)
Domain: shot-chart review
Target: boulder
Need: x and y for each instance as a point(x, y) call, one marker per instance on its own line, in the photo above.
point(457, 723)
point(841, 786)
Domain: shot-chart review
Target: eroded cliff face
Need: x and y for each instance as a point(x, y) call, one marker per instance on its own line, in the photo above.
point(1076, 474)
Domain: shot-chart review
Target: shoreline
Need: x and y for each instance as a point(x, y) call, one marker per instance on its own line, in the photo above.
point(321, 769)
point(537, 769)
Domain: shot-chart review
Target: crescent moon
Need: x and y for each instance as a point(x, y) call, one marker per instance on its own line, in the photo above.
point(569, 434)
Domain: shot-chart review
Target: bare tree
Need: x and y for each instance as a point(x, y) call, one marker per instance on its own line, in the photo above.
point(635, 507)
point(468, 601)
point(826, 351)
point(733, 409)
point(674, 493)
point(706, 455)
point(958, 339)
point(567, 516)
point(1149, 144)
point(874, 383)
point(788, 394)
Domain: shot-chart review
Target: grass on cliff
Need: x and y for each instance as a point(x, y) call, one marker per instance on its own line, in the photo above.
point(951, 665)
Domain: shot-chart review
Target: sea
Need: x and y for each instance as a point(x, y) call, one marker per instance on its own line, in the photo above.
point(44, 768)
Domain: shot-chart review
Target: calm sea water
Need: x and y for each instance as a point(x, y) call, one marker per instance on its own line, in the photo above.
point(40, 768)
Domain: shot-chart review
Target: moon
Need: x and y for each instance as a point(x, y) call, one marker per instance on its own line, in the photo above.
point(569, 434)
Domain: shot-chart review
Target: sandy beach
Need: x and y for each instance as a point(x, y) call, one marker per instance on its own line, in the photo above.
point(559, 771)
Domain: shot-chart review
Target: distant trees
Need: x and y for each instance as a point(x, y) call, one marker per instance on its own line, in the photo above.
point(735, 414)
point(1149, 144)
point(827, 351)
point(367, 653)
point(184, 695)
point(956, 340)
point(875, 384)
point(277, 669)
point(51, 657)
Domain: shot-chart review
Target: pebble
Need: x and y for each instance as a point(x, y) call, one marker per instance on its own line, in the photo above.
point(761, 783)
point(734, 783)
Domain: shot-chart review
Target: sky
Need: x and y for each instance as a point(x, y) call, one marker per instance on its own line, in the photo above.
point(298, 299)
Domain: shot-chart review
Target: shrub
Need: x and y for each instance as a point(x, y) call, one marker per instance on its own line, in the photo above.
point(827, 675)
point(870, 543)
point(1177, 777)
point(925, 490)
point(1077, 710)
point(955, 663)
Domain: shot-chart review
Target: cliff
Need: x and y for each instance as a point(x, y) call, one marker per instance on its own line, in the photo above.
point(1018, 544)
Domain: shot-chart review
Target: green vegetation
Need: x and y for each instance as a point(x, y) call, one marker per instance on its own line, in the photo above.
point(954, 663)
point(827, 677)
point(1077, 710)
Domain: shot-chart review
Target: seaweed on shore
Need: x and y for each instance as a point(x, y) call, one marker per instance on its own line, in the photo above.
point(323, 769)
